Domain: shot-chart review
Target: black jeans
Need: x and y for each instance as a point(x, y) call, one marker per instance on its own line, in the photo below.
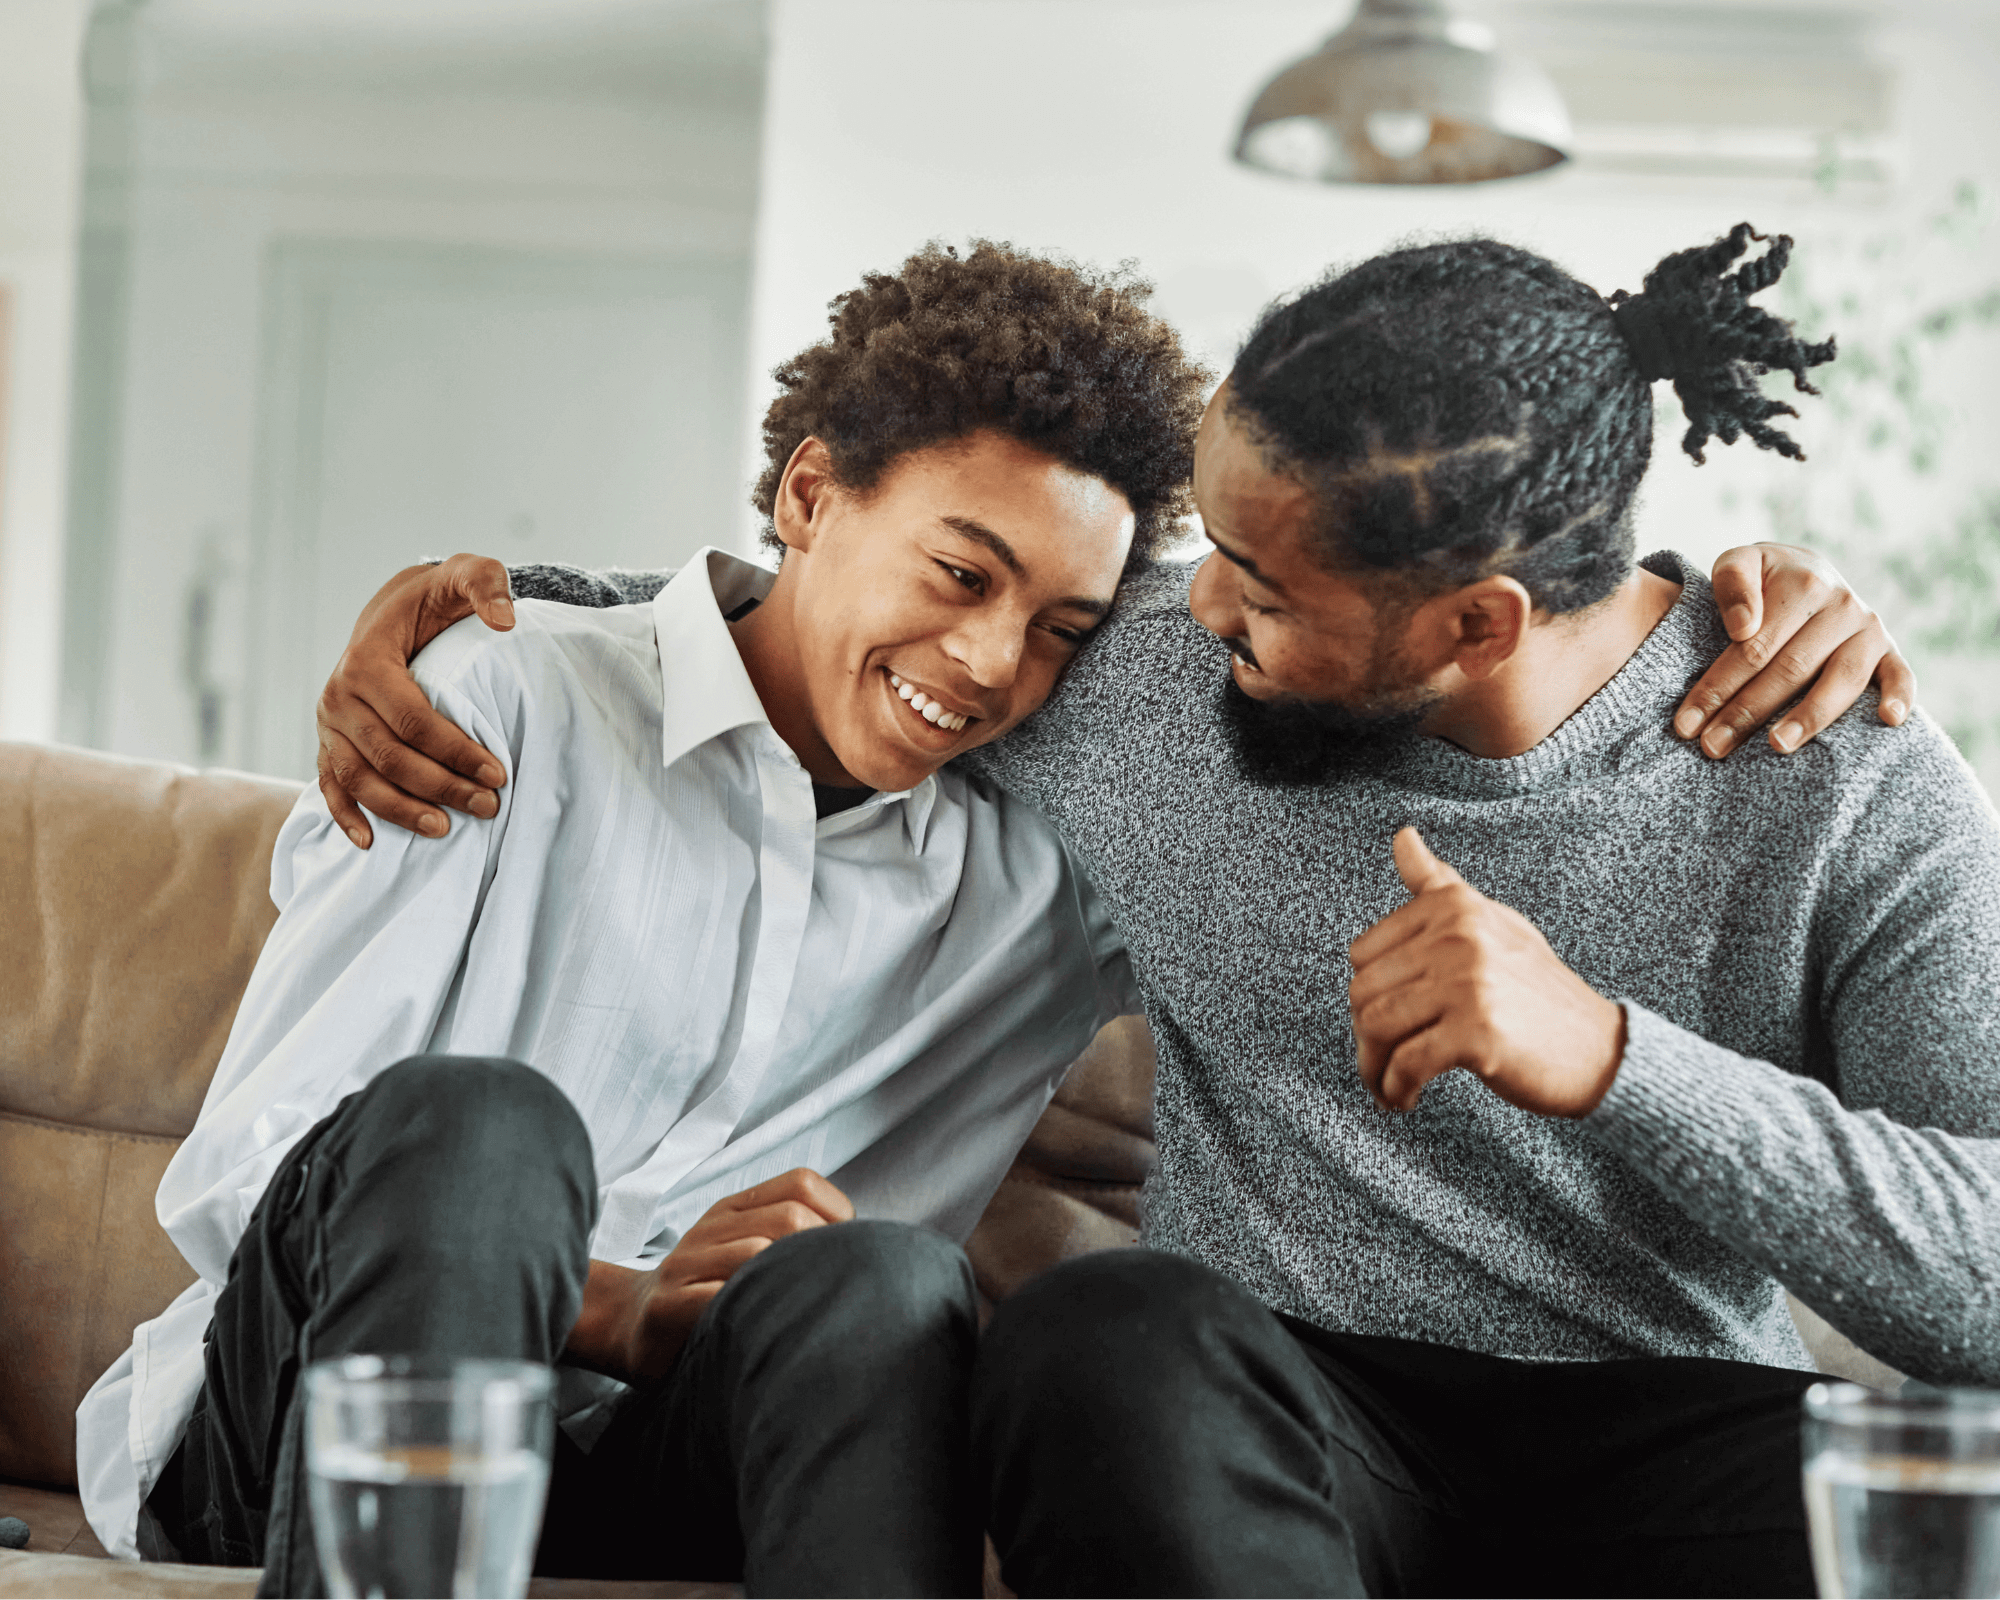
point(812, 1436)
point(1144, 1426)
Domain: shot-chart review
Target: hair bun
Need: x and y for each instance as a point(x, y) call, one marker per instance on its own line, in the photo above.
point(1693, 322)
point(1646, 334)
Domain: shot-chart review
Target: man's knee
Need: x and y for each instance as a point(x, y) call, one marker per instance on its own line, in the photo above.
point(1099, 1309)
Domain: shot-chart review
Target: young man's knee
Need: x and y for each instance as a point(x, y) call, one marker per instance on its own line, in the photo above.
point(482, 1111)
point(879, 1269)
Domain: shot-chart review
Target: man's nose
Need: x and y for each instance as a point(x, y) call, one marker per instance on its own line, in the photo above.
point(1216, 602)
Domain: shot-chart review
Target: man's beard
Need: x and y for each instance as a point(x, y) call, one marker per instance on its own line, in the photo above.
point(1292, 742)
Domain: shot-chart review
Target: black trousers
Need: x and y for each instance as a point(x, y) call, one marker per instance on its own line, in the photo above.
point(810, 1439)
point(1144, 1426)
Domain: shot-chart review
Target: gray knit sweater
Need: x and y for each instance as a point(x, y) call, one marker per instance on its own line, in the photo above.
point(1808, 949)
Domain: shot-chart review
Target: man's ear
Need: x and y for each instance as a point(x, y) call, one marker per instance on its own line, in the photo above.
point(802, 494)
point(1488, 621)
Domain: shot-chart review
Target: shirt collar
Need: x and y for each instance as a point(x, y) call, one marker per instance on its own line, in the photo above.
point(704, 690)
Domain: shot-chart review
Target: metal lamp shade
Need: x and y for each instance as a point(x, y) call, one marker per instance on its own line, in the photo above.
point(1406, 93)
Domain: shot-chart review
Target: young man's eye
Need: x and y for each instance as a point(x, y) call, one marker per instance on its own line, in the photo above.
point(1262, 611)
point(970, 580)
point(1070, 636)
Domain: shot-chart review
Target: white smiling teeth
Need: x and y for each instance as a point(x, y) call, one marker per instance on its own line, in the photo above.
point(927, 708)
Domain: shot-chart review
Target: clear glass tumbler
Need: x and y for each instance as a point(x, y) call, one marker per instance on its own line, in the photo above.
point(1903, 1491)
point(428, 1476)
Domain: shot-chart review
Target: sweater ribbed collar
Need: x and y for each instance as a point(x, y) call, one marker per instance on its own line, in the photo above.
point(1626, 724)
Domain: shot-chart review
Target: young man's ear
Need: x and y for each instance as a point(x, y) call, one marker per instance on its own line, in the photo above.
point(1486, 623)
point(802, 494)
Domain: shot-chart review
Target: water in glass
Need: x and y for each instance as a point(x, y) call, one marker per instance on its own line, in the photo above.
point(427, 1477)
point(1903, 1492)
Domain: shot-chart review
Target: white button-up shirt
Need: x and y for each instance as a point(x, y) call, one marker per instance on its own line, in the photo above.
point(724, 986)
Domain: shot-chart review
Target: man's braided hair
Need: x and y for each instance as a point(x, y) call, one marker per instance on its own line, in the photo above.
point(1062, 359)
point(1467, 408)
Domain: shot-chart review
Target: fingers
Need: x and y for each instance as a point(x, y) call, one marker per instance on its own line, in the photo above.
point(715, 1263)
point(384, 714)
point(334, 750)
point(1408, 962)
point(778, 1220)
point(1422, 915)
point(482, 583)
point(1382, 1024)
point(345, 768)
point(388, 777)
point(1898, 683)
point(1414, 1063)
point(1738, 579)
point(801, 1185)
point(1840, 683)
point(1717, 707)
point(460, 770)
point(1421, 871)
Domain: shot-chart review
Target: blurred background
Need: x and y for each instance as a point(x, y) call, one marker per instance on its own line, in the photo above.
point(293, 292)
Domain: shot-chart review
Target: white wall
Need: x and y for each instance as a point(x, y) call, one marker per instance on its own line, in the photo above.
point(282, 180)
point(40, 118)
point(1101, 128)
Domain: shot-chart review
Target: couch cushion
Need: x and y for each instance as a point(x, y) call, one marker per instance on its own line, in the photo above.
point(137, 897)
point(54, 1518)
point(84, 1262)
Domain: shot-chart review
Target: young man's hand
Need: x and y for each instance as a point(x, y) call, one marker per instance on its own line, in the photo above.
point(633, 1324)
point(1798, 628)
point(381, 743)
point(1454, 979)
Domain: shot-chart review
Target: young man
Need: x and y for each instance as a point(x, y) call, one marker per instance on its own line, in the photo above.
point(1533, 1340)
point(769, 965)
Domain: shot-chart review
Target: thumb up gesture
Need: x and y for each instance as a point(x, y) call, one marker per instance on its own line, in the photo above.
point(1454, 979)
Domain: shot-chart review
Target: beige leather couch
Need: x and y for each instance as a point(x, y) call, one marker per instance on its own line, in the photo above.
point(133, 902)
point(136, 897)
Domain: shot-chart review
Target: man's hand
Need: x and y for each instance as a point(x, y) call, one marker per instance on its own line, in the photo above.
point(1796, 626)
point(381, 743)
point(1454, 979)
point(634, 1324)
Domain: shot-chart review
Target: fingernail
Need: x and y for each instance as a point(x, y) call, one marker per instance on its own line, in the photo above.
point(491, 776)
point(483, 805)
point(1894, 711)
point(504, 607)
point(431, 823)
point(1736, 617)
point(360, 839)
point(1688, 723)
point(1718, 741)
point(1786, 736)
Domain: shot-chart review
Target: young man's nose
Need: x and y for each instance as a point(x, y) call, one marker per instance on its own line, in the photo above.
point(989, 649)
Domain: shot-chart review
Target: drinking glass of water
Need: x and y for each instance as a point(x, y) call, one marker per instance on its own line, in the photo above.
point(1903, 1491)
point(427, 1475)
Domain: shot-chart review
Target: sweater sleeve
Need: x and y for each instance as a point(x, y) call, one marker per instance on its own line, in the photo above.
point(578, 586)
point(1871, 1189)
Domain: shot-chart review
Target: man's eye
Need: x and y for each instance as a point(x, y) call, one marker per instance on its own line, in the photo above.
point(1074, 636)
point(1262, 611)
point(970, 580)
